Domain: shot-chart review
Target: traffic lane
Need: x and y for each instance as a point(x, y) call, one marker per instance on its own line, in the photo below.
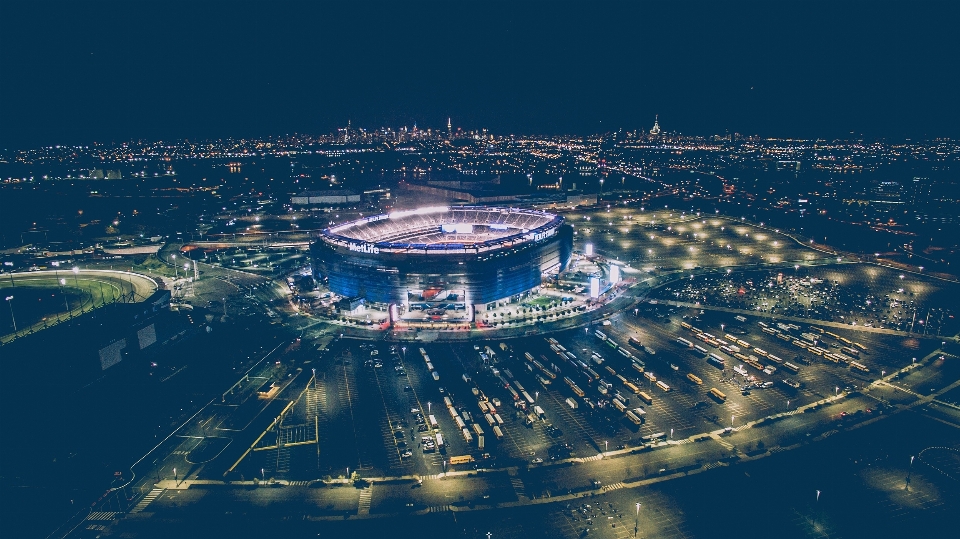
point(609, 471)
point(486, 489)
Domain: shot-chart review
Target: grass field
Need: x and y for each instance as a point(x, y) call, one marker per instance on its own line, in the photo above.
point(41, 301)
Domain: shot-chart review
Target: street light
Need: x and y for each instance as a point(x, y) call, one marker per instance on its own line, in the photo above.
point(10, 302)
point(909, 471)
point(636, 523)
point(76, 270)
point(174, 258)
point(175, 478)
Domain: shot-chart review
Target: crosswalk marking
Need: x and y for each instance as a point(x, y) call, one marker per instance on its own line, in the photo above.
point(102, 515)
point(439, 509)
point(366, 496)
point(711, 465)
point(598, 456)
point(152, 495)
point(518, 488)
point(615, 486)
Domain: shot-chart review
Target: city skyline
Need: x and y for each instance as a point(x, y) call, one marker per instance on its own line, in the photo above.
point(813, 70)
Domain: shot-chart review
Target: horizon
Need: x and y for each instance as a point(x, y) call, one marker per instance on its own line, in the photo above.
point(112, 71)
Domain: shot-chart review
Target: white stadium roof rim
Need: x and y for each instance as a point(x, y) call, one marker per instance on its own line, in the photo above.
point(422, 229)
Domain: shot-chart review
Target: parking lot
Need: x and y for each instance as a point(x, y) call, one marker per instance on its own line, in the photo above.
point(515, 393)
point(854, 294)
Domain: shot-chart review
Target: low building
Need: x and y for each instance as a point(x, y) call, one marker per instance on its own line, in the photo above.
point(332, 197)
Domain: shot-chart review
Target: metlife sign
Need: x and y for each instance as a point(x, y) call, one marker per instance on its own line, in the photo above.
point(364, 248)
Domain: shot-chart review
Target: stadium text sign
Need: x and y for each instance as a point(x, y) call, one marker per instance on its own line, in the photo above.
point(364, 248)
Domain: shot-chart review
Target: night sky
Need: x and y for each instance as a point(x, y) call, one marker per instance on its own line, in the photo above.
point(79, 72)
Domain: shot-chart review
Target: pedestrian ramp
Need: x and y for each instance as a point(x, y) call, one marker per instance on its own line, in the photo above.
point(152, 495)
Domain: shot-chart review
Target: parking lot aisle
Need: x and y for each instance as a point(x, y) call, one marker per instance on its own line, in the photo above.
point(387, 423)
point(347, 393)
point(570, 421)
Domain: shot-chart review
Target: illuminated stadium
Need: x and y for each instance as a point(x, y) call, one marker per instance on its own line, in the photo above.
point(442, 263)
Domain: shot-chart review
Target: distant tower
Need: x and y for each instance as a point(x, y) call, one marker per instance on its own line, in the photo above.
point(655, 130)
point(449, 128)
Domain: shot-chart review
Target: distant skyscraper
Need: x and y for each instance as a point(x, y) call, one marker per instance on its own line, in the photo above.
point(449, 128)
point(655, 130)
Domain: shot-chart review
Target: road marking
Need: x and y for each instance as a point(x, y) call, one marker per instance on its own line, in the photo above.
point(152, 495)
point(366, 496)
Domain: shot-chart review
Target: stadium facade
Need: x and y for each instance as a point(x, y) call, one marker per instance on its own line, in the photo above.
point(442, 262)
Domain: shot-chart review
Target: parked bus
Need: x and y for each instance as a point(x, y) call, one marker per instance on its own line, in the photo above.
point(663, 385)
point(635, 342)
point(498, 432)
point(644, 397)
point(791, 367)
point(684, 342)
point(860, 346)
point(477, 429)
point(850, 351)
point(632, 387)
point(619, 405)
point(695, 379)
point(637, 367)
point(461, 459)
point(600, 335)
point(716, 361)
point(845, 340)
point(859, 366)
point(685, 325)
point(717, 394)
point(433, 422)
point(440, 445)
point(636, 420)
point(700, 349)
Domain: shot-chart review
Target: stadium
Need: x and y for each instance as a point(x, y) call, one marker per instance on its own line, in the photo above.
point(442, 263)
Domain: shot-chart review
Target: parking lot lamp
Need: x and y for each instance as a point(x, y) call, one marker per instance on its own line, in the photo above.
point(10, 303)
point(76, 283)
point(174, 258)
point(636, 523)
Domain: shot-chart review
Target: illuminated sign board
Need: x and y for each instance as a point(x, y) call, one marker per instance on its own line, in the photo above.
point(614, 273)
point(594, 287)
point(588, 249)
point(364, 248)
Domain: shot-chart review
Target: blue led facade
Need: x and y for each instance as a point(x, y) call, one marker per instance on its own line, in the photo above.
point(387, 274)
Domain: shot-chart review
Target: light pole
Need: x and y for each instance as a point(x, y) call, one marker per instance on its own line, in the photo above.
point(636, 523)
point(909, 471)
point(836, 391)
point(174, 258)
point(10, 302)
point(605, 446)
point(76, 283)
point(175, 478)
point(429, 406)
